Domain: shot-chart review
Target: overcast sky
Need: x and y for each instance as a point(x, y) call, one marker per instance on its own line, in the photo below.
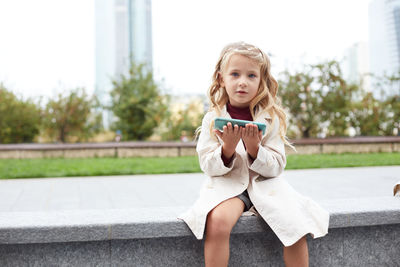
point(48, 45)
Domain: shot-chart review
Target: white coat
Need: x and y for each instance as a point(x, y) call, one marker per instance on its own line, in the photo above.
point(289, 214)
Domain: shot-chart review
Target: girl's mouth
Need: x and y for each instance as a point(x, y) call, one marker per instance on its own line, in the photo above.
point(241, 92)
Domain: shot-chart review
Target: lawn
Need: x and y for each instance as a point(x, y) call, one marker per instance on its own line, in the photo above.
point(60, 167)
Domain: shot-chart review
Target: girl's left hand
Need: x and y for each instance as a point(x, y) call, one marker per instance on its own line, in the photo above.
point(251, 137)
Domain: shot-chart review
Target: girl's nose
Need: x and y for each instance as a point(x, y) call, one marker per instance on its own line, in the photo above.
point(242, 83)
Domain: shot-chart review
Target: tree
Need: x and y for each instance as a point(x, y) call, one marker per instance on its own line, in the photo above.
point(137, 103)
point(389, 86)
point(71, 117)
point(393, 104)
point(337, 96)
point(370, 116)
point(302, 102)
point(19, 119)
point(319, 100)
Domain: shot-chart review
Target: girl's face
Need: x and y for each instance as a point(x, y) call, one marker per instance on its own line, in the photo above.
point(241, 79)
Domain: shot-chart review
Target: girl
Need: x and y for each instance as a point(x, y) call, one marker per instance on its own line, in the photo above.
point(243, 165)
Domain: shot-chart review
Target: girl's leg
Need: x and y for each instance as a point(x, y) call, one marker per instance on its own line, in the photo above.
point(220, 222)
point(296, 254)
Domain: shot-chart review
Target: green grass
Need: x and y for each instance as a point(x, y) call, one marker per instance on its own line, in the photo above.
point(29, 168)
point(342, 160)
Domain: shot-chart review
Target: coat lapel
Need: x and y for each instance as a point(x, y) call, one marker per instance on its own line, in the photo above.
point(263, 117)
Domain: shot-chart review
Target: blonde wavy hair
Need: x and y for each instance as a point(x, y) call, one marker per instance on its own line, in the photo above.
point(266, 97)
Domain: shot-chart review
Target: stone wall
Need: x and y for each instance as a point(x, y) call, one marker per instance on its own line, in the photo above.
point(176, 149)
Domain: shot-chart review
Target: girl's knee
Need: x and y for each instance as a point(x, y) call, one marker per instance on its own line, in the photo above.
point(301, 243)
point(218, 225)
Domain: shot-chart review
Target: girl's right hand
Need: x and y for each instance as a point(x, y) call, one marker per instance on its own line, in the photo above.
point(231, 137)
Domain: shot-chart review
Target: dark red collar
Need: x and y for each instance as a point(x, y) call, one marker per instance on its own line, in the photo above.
point(239, 113)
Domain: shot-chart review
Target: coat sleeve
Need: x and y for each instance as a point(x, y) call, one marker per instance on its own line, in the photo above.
point(209, 150)
point(271, 159)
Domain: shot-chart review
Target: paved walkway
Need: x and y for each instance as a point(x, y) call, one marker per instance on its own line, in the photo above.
point(172, 190)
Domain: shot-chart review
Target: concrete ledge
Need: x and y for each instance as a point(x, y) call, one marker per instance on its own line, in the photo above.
point(95, 225)
point(153, 236)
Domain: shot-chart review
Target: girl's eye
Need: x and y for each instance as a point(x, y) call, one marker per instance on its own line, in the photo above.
point(235, 74)
point(252, 75)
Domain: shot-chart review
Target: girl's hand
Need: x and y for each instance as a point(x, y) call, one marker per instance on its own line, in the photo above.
point(251, 137)
point(230, 136)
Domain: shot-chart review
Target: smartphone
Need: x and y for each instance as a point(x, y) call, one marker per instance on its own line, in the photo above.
point(219, 123)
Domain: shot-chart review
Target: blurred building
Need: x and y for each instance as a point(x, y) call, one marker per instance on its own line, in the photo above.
point(356, 64)
point(123, 32)
point(384, 37)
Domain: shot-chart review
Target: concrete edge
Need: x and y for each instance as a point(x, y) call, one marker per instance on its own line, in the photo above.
point(162, 144)
point(97, 225)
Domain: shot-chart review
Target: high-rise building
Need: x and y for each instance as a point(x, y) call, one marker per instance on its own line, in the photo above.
point(123, 32)
point(384, 37)
point(356, 64)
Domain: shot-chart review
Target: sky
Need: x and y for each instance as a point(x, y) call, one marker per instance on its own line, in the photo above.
point(47, 46)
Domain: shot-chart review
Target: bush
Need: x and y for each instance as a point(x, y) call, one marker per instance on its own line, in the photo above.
point(19, 119)
point(71, 117)
point(137, 104)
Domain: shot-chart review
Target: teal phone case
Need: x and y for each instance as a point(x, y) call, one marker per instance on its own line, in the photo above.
point(219, 123)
